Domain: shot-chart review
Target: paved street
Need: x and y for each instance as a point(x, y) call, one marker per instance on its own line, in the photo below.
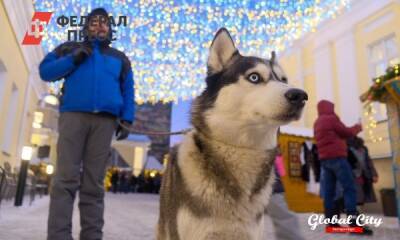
point(134, 216)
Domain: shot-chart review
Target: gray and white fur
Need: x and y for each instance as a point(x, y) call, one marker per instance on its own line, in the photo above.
point(218, 181)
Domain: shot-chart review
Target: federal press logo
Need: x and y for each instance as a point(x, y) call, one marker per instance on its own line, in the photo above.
point(361, 220)
point(35, 32)
point(40, 20)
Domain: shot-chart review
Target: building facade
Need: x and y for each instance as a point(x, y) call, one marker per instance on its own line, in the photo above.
point(338, 61)
point(20, 86)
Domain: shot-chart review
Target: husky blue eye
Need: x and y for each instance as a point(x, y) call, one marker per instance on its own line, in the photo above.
point(254, 77)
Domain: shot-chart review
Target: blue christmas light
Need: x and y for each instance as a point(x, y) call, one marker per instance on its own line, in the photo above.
point(167, 41)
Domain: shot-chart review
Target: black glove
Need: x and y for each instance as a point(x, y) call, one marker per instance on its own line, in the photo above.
point(122, 133)
point(66, 48)
point(81, 53)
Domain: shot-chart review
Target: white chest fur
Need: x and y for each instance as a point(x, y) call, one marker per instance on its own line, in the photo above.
point(245, 165)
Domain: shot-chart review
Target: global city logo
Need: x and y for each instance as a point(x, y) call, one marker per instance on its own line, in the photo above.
point(316, 219)
point(35, 32)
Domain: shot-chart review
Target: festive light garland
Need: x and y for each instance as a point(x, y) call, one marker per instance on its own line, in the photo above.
point(378, 92)
point(167, 41)
point(369, 113)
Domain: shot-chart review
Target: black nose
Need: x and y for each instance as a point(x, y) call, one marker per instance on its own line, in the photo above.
point(296, 97)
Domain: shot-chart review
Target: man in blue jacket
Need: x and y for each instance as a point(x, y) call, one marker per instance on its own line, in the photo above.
point(98, 90)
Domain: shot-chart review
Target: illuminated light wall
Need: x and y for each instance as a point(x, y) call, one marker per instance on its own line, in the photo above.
point(167, 41)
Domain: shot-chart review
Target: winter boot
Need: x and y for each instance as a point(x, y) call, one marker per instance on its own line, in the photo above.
point(365, 229)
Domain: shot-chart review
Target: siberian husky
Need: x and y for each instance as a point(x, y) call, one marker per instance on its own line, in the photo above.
point(218, 181)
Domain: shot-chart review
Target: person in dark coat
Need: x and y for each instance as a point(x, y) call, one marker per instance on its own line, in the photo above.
point(114, 181)
point(331, 136)
point(157, 182)
point(150, 184)
point(132, 183)
point(123, 183)
point(364, 171)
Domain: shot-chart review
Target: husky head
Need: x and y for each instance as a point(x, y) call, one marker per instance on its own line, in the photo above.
point(246, 99)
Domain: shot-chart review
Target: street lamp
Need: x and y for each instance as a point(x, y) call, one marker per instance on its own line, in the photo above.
point(49, 169)
point(26, 156)
point(51, 99)
point(37, 120)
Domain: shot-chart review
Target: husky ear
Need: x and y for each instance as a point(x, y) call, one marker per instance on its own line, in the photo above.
point(221, 51)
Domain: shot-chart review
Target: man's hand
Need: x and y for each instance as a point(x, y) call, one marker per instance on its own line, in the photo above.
point(122, 133)
point(65, 49)
point(81, 53)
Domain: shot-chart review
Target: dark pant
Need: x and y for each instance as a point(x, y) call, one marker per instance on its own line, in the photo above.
point(338, 169)
point(83, 150)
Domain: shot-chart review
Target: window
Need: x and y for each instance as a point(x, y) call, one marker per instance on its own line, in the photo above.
point(11, 113)
point(382, 54)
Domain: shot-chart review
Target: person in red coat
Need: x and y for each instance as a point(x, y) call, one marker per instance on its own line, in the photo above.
point(331, 135)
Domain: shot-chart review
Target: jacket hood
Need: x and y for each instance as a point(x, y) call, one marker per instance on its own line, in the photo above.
point(95, 12)
point(325, 107)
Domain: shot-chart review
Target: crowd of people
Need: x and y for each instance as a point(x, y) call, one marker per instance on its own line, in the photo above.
point(126, 182)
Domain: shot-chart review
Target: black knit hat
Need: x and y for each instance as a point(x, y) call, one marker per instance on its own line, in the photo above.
point(96, 12)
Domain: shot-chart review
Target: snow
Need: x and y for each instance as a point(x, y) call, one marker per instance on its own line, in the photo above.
point(297, 131)
point(127, 217)
point(134, 217)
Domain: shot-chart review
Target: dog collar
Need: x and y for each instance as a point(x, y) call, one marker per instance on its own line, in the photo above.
point(202, 135)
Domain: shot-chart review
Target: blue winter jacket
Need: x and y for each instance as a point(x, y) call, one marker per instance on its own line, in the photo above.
point(102, 83)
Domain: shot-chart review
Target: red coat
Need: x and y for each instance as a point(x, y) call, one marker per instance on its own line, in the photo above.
point(330, 133)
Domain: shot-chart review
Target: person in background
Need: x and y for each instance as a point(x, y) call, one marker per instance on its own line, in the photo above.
point(132, 183)
point(141, 183)
point(114, 180)
point(364, 172)
point(123, 182)
point(97, 94)
point(285, 222)
point(331, 136)
point(157, 182)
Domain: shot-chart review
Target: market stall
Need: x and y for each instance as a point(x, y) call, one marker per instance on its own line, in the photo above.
point(386, 89)
point(302, 193)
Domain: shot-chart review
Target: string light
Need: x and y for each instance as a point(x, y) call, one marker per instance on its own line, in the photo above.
point(369, 113)
point(167, 41)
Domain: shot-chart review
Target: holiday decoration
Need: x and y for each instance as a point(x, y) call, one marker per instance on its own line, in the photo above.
point(372, 123)
point(386, 89)
point(385, 86)
point(168, 41)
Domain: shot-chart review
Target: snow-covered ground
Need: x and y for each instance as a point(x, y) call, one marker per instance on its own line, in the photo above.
point(134, 217)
